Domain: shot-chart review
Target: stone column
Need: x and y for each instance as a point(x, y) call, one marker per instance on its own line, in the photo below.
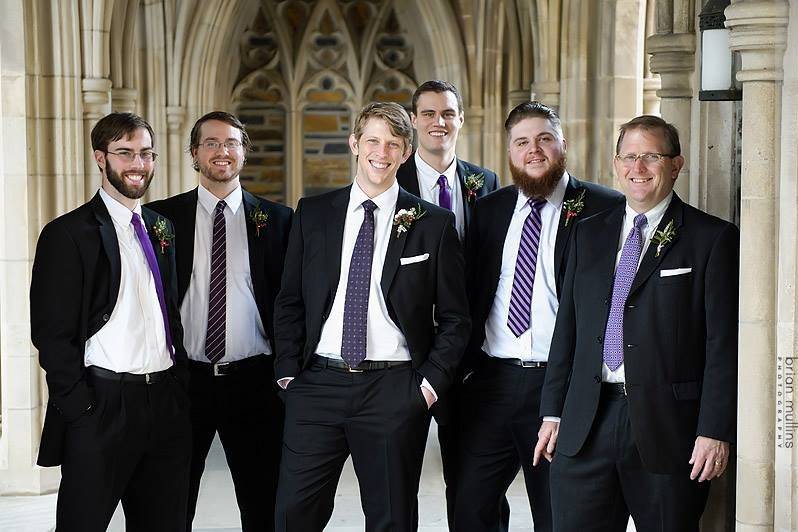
point(96, 104)
point(547, 92)
point(673, 58)
point(123, 99)
point(178, 179)
point(758, 33)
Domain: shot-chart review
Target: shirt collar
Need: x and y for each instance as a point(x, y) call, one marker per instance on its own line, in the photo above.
point(209, 201)
point(119, 213)
point(654, 215)
point(431, 175)
point(555, 199)
point(386, 201)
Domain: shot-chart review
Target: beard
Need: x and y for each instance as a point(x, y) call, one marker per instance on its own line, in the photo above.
point(538, 187)
point(118, 182)
point(218, 175)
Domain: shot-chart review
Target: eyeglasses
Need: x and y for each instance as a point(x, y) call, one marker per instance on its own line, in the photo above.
point(649, 159)
point(130, 156)
point(214, 145)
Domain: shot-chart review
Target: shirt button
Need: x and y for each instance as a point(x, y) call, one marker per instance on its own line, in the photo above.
point(597, 378)
point(599, 339)
point(106, 317)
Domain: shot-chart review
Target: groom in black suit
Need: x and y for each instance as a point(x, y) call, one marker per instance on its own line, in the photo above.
point(229, 341)
point(104, 317)
point(358, 352)
point(642, 378)
point(436, 174)
point(530, 221)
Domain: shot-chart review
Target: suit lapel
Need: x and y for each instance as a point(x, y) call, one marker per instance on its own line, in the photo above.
point(110, 245)
point(186, 220)
point(651, 261)
point(256, 243)
point(462, 172)
point(396, 244)
point(334, 225)
point(606, 255)
point(161, 256)
point(572, 191)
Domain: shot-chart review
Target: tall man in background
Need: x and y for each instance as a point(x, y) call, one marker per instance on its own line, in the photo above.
point(230, 253)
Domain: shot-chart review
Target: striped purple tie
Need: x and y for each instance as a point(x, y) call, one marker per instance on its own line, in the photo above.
point(152, 262)
point(356, 304)
point(444, 196)
point(217, 293)
point(518, 318)
point(624, 275)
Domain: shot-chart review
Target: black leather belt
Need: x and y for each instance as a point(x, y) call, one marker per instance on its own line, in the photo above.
point(613, 388)
point(220, 369)
point(517, 362)
point(366, 365)
point(141, 378)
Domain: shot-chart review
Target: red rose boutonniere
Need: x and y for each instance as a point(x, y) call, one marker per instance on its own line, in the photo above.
point(573, 207)
point(163, 234)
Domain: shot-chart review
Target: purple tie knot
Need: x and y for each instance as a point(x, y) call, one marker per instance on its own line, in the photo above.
point(369, 206)
point(640, 221)
point(444, 196)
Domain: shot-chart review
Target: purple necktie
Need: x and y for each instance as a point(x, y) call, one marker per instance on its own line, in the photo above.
point(444, 197)
point(217, 290)
point(152, 262)
point(518, 318)
point(624, 275)
point(356, 304)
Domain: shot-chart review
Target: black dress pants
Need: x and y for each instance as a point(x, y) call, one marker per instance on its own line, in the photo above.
point(134, 447)
point(380, 417)
point(499, 417)
point(597, 489)
point(244, 408)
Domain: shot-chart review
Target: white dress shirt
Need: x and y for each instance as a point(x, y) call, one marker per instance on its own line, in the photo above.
point(532, 345)
point(653, 217)
point(133, 339)
point(384, 340)
point(430, 189)
point(244, 332)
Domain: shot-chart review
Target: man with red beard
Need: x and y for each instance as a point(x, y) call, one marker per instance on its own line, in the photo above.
point(229, 263)
point(517, 246)
point(104, 318)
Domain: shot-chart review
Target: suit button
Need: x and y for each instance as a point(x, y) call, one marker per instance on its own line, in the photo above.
point(599, 339)
point(597, 378)
point(631, 345)
point(606, 301)
point(106, 317)
point(630, 306)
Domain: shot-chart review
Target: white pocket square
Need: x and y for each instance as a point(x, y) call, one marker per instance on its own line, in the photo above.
point(676, 271)
point(411, 260)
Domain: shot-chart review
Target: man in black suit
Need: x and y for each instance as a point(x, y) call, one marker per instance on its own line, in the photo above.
point(643, 364)
point(435, 174)
point(358, 352)
point(230, 253)
point(104, 318)
point(518, 244)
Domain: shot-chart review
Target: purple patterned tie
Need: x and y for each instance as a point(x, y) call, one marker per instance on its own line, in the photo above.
point(518, 318)
point(624, 275)
point(217, 291)
point(356, 304)
point(152, 262)
point(444, 197)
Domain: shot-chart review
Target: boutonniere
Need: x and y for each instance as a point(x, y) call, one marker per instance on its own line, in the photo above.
point(258, 219)
point(664, 237)
point(163, 234)
point(404, 218)
point(474, 182)
point(574, 206)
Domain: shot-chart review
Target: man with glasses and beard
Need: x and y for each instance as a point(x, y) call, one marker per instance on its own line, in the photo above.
point(517, 252)
point(105, 321)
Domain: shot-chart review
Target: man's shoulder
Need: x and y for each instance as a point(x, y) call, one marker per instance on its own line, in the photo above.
point(600, 192)
point(269, 206)
point(702, 222)
point(472, 168)
point(169, 205)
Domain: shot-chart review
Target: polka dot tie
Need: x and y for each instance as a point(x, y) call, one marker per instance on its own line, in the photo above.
point(624, 275)
point(356, 304)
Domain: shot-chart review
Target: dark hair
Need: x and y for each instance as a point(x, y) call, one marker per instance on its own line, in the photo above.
point(437, 86)
point(114, 126)
point(221, 116)
point(532, 109)
point(652, 123)
point(392, 113)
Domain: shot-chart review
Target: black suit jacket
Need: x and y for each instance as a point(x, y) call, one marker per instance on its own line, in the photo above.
point(266, 247)
point(74, 288)
point(407, 176)
point(490, 222)
point(680, 337)
point(412, 292)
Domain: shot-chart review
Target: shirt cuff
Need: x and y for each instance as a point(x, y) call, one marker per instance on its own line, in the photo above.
point(283, 382)
point(553, 419)
point(425, 384)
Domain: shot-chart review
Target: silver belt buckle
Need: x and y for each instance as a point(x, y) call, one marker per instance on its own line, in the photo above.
point(350, 369)
point(216, 369)
point(147, 378)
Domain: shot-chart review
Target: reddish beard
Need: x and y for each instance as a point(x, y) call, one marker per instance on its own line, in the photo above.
point(538, 187)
